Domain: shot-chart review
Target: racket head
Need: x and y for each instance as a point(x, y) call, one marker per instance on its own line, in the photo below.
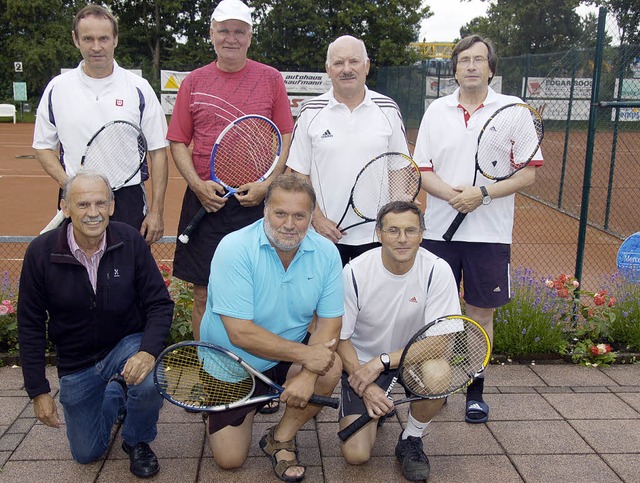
point(202, 376)
point(388, 177)
point(246, 151)
point(444, 357)
point(508, 141)
point(118, 149)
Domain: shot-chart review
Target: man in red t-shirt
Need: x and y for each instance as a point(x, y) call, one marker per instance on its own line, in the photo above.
point(209, 98)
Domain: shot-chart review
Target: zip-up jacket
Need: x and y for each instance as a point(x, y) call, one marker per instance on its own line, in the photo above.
point(57, 300)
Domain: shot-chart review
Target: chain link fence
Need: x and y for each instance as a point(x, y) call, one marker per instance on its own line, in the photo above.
point(584, 201)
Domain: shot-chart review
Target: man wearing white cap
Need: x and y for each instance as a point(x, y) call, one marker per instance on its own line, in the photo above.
point(209, 98)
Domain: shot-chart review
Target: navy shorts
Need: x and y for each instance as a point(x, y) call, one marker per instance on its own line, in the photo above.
point(235, 417)
point(192, 262)
point(351, 403)
point(483, 268)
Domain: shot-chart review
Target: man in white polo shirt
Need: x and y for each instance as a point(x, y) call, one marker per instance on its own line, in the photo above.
point(445, 151)
point(336, 134)
point(77, 103)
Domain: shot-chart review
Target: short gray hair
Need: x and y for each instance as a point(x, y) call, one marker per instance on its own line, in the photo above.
point(292, 183)
point(85, 174)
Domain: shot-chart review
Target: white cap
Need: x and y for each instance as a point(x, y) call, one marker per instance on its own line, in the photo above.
point(232, 10)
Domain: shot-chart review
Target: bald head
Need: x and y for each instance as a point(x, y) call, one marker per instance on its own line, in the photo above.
point(347, 41)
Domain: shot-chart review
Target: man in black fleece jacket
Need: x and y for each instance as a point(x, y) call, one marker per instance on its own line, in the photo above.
point(95, 289)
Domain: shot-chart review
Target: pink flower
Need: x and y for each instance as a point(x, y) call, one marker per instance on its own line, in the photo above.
point(598, 299)
point(612, 302)
point(576, 284)
point(563, 293)
point(549, 283)
point(4, 310)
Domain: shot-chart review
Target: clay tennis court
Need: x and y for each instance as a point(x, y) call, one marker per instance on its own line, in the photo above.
point(545, 239)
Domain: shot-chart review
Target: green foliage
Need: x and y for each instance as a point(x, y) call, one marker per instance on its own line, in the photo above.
point(625, 327)
point(8, 315)
point(297, 33)
point(627, 15)
point(535, 321)
point(519, 27)
point(182, 295)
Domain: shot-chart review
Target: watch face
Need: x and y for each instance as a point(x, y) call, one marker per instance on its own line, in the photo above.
point(385, 358)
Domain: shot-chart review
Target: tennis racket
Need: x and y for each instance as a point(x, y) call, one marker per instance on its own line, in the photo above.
point(388, 177)
point(441, 358)
point(118, 149)
point(246, 151)
point(507, 143)
point(205, 377)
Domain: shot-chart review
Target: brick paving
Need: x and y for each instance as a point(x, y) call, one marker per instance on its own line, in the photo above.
point(549, 422)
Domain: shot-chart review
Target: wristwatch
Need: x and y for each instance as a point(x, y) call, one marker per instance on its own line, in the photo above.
point(486, 199)
point(386, 361)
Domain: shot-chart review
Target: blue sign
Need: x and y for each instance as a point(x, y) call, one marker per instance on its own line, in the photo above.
point(629, 256)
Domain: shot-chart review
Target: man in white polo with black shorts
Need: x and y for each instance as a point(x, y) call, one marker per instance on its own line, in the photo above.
point(336, 134)
point(76, 104)
point(480, 250)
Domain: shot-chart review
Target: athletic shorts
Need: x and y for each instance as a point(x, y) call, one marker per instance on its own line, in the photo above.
point(349, 252)
point(482, 267)
point(350, 402)
point(192, 262)
point(235, 417)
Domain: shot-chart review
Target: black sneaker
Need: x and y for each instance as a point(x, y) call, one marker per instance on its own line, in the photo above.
point(143, 460)
point(415, 464)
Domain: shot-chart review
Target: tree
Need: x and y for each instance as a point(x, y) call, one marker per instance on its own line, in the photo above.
point(520, 26)
point(296, 33)
point(38, 34)
point(627, 14)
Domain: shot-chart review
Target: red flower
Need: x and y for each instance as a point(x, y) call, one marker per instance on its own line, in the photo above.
point(598, 299)
point(612, 302)
point(563, 293)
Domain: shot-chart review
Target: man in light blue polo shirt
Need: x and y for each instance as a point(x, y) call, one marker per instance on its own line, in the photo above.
point(267, 282)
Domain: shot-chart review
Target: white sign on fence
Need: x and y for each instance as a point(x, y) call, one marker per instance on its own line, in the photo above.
point(558, 87)
point(306, 82)
point(170, 80)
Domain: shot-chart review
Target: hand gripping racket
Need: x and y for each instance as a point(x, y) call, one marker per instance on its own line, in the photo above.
point(507, 143)
point(441, 358)
point(117, 150)
point(206, 377)
point(388, 177)
point(246, 151)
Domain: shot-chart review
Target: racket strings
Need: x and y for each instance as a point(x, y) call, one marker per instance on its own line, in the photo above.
point(246, 152)
point(444, 358)
point(509, 141)
point(391, 177)
point(201, 377)
point(117, 151)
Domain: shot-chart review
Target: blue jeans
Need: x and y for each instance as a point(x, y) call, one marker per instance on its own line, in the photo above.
point(91, 405)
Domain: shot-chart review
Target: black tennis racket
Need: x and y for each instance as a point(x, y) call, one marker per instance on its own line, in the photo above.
point(118, 149)
point(206, 377)
point(441, 358)
point(388, 177)
point(507, 143)
point(246, 151)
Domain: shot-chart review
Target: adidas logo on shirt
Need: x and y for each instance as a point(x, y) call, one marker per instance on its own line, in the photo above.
point(497, 289)
point(413, 300)
point(326, 134)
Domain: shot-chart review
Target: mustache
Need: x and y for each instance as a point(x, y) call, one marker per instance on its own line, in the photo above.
point(93, 219)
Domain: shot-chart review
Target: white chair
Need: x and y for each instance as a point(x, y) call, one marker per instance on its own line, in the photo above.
point(8, 110)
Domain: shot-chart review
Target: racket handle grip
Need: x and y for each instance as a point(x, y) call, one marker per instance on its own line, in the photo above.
point(184, 237)
point(332, 402)
point(354, 427)
point(453, 228)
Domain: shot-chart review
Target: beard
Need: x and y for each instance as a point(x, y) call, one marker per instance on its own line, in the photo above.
point(284, 245)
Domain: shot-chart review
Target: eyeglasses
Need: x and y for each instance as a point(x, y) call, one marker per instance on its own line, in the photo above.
point(411, 232)
point(477, 60)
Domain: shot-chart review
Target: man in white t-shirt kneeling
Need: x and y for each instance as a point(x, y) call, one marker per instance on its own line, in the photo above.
point(390, 293)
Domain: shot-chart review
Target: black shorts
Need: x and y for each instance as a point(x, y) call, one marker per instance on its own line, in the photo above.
point(350, 402)
point(482, 267)
point(192, 262)
point(235, 417)
point(349, 252)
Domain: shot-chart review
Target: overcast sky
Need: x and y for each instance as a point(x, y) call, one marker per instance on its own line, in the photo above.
point(449, 15)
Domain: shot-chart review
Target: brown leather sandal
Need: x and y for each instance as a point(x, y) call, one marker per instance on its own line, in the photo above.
point(271, 447)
